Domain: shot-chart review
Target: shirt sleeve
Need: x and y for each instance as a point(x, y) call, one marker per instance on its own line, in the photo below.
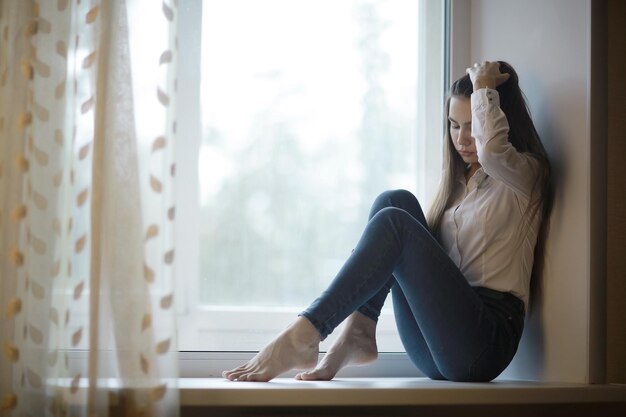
point(499, 159)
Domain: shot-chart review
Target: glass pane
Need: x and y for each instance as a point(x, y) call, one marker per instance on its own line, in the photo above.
point(309, 111)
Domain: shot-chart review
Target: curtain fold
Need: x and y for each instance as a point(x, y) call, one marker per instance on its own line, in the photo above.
point(87, 127)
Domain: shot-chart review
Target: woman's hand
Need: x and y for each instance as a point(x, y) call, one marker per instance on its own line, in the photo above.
point(486, 75)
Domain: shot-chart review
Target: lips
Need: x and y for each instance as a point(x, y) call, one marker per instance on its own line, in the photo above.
point(465, 153)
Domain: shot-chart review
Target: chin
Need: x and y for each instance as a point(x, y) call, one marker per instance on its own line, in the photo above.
point(470, 160)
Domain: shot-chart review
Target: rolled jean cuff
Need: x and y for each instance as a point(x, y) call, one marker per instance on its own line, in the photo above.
point(369, 312)
point(323, 330)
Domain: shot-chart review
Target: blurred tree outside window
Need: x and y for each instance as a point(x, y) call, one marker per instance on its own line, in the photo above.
point(309, 109)
point(308, 114)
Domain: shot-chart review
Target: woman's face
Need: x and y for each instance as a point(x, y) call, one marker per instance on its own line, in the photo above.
point(460, 117)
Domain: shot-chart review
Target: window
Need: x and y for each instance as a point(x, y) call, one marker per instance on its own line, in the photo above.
point(307, 110)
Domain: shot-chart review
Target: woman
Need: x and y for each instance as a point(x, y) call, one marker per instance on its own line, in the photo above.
point(459, 279)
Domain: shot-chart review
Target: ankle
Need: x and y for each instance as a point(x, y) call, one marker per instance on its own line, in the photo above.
point(303, 332)
point(361, 325)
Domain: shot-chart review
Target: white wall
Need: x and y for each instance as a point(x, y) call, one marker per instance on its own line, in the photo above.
point(549, 44)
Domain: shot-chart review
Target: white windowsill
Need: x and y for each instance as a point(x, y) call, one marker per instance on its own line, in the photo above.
point(217, 392)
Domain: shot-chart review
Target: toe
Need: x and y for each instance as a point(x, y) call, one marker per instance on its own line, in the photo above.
point(229, 375)
point(306, 376)
point(316, 375)
point(236, 374)
point(312, 375)
point(232, 371)
point(257, 377)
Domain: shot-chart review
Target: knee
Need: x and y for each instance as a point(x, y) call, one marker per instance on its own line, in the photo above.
point(392, 215)
point(401, 224)
point(393, 198)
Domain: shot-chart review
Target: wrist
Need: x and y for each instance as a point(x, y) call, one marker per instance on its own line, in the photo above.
point(484, 82)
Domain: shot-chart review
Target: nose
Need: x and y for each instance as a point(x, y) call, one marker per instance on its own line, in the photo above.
point(465, 137)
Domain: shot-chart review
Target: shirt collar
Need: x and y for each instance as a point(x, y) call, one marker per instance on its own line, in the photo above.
point(479, 176)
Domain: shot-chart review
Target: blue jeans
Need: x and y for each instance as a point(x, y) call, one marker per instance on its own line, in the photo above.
point(449, 329)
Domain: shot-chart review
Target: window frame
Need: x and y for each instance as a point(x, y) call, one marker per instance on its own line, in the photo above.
point(211, 363)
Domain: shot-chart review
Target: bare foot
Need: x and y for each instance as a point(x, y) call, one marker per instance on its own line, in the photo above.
point(355, 346)
point(297, 347)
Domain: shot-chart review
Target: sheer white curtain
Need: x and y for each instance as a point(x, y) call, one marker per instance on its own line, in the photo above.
point(86, 207)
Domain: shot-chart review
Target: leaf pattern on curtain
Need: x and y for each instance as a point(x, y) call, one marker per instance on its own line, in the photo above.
point(87, 208)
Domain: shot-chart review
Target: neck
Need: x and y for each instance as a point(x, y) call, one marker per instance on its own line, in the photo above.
point(473, 167)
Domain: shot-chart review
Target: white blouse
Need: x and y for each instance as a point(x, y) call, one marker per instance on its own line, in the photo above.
point(484, 230)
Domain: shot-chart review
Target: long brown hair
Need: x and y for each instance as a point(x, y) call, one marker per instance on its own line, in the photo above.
point(522, 135)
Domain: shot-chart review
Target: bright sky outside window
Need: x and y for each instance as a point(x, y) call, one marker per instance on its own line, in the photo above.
point(309, 110)
point(308, 114)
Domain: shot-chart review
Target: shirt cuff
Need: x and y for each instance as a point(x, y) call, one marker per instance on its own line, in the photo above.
point(484, 97)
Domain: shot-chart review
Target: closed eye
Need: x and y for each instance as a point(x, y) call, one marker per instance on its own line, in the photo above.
point(453, 123)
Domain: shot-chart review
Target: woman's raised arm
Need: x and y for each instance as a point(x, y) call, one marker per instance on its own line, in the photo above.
point(490, 129)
